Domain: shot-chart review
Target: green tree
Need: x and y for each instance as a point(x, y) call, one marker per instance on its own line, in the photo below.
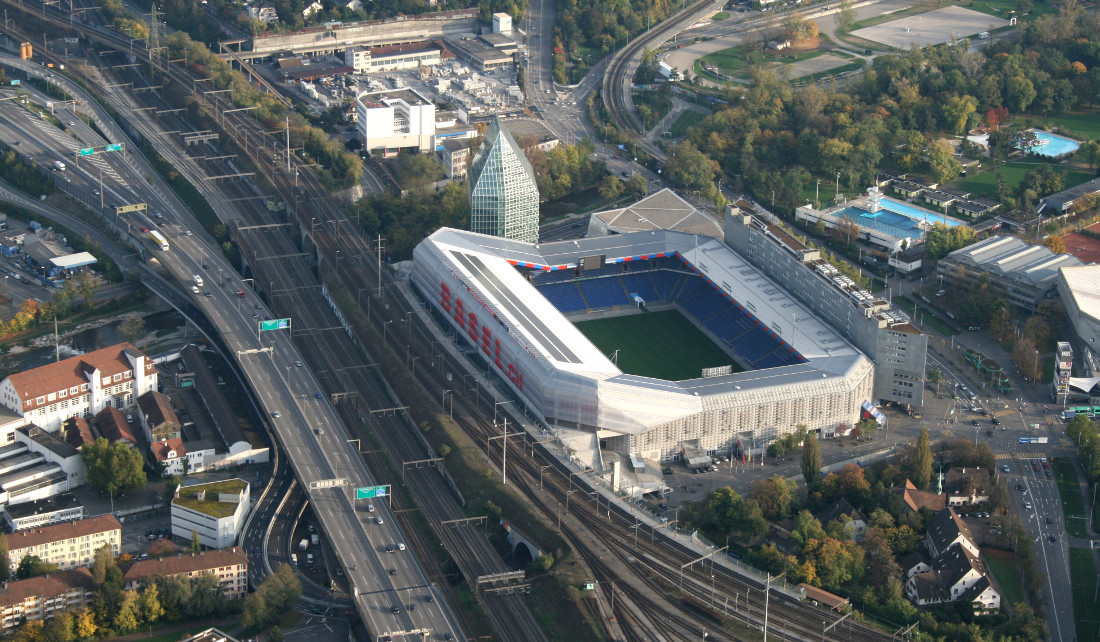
point(942, 240)
point(942, 163)
point(1019, 93)
point(58, 628)
point(282, 589)
point(132, 328)
point(806, 528)
point(1089, 151)
point(33, 566)
point(196, 543)
point(114, 468)
point(773, 496)
point(636, 186)
point(206, 596)
point(921, 472)
point(129, 613)
point(87, 284)
point(103, 562)
point(149, 603)
point(958, 112)
point(690, 168)
point(1002, 326)
point(5, 558)
point(611, 187)
point(846, 17)
point(255, 614)
point(811, 461)
point(836, 562)
point(935, 377)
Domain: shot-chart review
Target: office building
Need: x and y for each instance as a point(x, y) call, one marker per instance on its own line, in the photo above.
point(504, 196)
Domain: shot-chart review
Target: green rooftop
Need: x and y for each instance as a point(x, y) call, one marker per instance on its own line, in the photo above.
point(188, 497)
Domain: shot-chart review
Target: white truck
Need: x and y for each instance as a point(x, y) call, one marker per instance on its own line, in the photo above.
point(59, 166)
point(197, 279)
point(314, 539)
point(303, 545)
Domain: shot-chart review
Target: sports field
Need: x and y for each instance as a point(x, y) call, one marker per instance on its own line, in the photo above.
point(663, 345)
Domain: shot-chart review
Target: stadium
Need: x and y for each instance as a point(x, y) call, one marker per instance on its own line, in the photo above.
point(645, 344)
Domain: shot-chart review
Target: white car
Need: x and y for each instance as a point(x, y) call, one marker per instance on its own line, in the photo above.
point(1027, 505)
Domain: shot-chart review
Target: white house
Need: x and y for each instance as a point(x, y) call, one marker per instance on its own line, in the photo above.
point(312, 9)
point(172, 454)
point(79, 386)
point(953, 571)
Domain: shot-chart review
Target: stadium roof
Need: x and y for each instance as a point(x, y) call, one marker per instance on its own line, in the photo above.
point(663, 210)
point(1084, 287)
point(488, 267)
point(1014, 259)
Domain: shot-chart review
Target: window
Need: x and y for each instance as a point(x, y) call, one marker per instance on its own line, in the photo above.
point(117, 377)
point(61, 394)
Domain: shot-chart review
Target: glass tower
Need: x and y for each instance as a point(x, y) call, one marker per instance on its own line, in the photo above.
point(504, 198)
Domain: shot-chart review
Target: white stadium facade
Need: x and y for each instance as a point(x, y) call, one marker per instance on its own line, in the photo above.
point(515, 304)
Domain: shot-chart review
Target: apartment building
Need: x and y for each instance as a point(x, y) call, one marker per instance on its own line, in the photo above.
point(69, 544)
point(79, 386)
point(229, 565)
point(40, 598)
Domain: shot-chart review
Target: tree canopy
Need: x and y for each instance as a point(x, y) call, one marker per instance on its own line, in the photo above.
point(114, 468)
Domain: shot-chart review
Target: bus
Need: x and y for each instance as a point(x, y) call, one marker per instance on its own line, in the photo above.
point(159, 239)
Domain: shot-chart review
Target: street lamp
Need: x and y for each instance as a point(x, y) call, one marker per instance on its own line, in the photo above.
point(384, 326)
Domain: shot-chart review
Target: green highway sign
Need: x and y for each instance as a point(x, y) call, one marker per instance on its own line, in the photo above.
point(274, 324)
point(87, 151)
point(114, 147)
point(370, 491)
point(14, 83)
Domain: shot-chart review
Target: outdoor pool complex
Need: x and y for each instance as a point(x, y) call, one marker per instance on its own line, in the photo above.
point(1052, 145)
point(895, 218)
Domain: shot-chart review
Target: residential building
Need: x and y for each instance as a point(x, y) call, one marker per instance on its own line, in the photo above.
point(229, 565)
point(967, 486)
point(504, 196)
point(406, 55)
point(945, 530)
point(77, 432)
point(114, 427)
point(41, 512)
point(264, 13)
point(878, 329)
point(455, 158)
point(915, 499)
point(79, 386)
point(392, 120)
point(956, 575)
point(158, 418)
point(68, 544)
point(172, 454)
point(216, 511)
point(210, 635)
point(1024, 274)
point(852, 519)
point(40, 598)
point(311, 9)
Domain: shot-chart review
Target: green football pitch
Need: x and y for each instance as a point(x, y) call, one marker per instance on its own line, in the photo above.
point(663, 345)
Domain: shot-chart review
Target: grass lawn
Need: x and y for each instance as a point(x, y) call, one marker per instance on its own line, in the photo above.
point(1007, 8)
point(1005, 569)
point(686, 120)
point(664, 345)
point(1073, 505)
point(1086, 609)
point(984, 183)
point(721, 15)
point(745, 56)
point(928, 317)
point(1081, 125)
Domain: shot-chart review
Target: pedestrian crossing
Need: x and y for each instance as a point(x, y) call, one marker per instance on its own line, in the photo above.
point(1000, 414)
point(1036, 455)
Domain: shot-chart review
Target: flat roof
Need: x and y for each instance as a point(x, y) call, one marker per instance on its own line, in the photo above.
point(662, 210)
point(1015, 259)
point(406, 94)
point(1084, 287)
point(50, 441)
point(70, 261)
point(57, 503)
point(188, 497)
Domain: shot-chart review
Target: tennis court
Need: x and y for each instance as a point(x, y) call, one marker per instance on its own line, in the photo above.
point(663, 345)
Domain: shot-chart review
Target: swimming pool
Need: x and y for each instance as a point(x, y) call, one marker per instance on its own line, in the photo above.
point(1052, 145)
point(895, 218)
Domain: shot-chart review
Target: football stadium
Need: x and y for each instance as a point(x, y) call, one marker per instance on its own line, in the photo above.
point(648, 344)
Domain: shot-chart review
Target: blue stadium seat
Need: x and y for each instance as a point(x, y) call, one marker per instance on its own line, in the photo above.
point(604, 293)
point(566, 297)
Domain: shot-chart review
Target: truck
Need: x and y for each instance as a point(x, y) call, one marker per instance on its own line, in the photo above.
point(294, 558)
point(59, 166)
point(313, 538)
point(303, 545)
point(159, 239)
point(197, 279)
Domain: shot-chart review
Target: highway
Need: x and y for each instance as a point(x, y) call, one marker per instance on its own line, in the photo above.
point(316, 456)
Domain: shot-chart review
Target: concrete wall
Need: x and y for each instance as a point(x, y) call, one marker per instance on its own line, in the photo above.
point(322, 40)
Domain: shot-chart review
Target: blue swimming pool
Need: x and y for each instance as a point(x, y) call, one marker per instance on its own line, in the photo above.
point(1052, 145)
point(895, 218)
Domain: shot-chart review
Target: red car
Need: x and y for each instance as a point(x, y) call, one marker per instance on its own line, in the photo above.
point(144, 229)
point(240, 293)
point(1046, 466)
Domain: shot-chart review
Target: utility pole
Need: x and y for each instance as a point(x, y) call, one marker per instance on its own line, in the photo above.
point(288, 144)
point(378, 246)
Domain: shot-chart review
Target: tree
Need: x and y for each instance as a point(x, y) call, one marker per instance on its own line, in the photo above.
point(957, 112)
point(922, 461)
point(149, 603)
point(129, 613)
point(806, 528)
point(163, 548)
point(1019, 93)
point(58, 628)
point(773, 495)
point(87, 284)
point(836, 562)
point(132, 328)
point(31, 631)
point(1036, 329)
point(84, 625)
point(103, 562)
point(1055, 244)
point(811, 461)
point(942, 239)
point(1089, 151)
point(846, 17)
point(255, 614)
point(611, 187)
point(636, 186)
point(689, 168)
point(1002, 326)
point(196, 543)
point(113, 467)
point(33, 566)
point(1026, 358)
point(206, 596)
point(5, 558)
point(942, 163)
point(935, 377)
